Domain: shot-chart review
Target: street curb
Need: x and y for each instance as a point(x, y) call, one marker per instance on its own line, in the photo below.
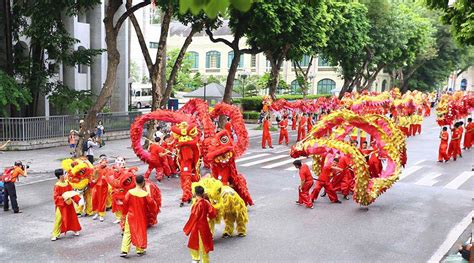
point(129, 163)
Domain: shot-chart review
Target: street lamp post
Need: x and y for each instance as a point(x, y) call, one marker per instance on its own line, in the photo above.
point(204, 80)
point(244, 76)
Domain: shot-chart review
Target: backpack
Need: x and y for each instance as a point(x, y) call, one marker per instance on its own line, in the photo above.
point(7, 175)
point(85, 146)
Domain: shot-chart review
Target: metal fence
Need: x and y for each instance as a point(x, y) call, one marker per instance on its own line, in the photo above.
point(37, 128)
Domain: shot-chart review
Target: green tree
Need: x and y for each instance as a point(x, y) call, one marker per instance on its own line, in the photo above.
point(460, 16)
point(213, 7)
point(347, 40)
point(134, 72)
point(11, 94)
point(50, 45)
point(183, 78)
point(290, 28)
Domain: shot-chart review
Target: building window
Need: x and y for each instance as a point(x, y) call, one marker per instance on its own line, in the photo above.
point(322, 62)
point(82, 69)
point(82, 18)
point(155, 17)
point(384, 85)
point(231, 56)
point(153, 44)
point(194, 58)
point(464, 84)
point(295, 87)
point(304, 63)
point(325, 86)
point(253, 61)
point(213, 59)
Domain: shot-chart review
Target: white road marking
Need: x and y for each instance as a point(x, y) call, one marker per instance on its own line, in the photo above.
point(251, 157)
point(428, 180)
point(459, 180)
point(265, 160)
point(451, 238)
point(35, 182)
point(281, 163)
point(419, 162)
point(409, 171)
point(309, 163)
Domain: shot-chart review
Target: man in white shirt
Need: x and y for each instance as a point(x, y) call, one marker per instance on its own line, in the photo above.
point(91, 143)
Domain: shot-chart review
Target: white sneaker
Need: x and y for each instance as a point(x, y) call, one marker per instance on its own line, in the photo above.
point(116, 221)
point(101, 219)
point(95, 217)
point(76, 234)
point(54, 238)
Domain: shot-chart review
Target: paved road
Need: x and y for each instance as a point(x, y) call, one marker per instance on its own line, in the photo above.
point(408, 223)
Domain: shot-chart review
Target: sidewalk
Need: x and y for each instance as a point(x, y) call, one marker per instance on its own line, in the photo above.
point(47, 160)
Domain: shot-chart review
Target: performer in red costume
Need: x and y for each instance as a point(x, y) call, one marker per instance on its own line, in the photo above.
point(100, 188)
point(170, 146)
point(283, 125)
point(469, 135)
point(305, 185)
point(343, 180)
point(310, 122)
point(138, 209)
point(197, 227)
point(266, 137)
point(454, 149)
point(158, 160)
point(302, 127)
point(443, 146)
point(66, 217)
point(325, 178)
point(375, 164)
point(294, 121)
point(228, 126)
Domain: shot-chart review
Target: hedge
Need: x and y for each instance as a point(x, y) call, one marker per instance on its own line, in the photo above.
point(254, 103)
point(251, 115)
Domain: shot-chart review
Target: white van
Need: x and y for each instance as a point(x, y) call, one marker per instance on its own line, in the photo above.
point(141, 95)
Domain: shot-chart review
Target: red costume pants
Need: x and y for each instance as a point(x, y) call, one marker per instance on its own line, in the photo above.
point(303, 194)
point(283, 135)
point(266, 139)
point(454, 149)
point(327, 187)
point(443, 152)
point(301, 134)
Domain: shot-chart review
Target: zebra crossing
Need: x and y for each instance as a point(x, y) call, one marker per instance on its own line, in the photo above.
point(422, 173)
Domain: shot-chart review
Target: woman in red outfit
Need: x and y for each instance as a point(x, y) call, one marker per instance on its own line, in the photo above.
point(324, 178)
point(306, 184)
point(443, 146)
point(454, 149)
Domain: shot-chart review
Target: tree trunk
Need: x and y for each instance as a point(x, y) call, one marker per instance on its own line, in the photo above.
point(274, 77)
point(345, 87)
point(8, 39)
point(177, 65)
point(157, 73)
point(231, 76)
point(113, 59)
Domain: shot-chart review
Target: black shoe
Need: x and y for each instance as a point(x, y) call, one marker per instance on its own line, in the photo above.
point(123, 254)
point(241, 235)
point(6, 210)
point(17, 212)
point(181, 204)
point(271, 147)
point(323, 194)
point(141, 253)
point(337, 202)
point(225, 235)
point(346, 197)
point(189, 201)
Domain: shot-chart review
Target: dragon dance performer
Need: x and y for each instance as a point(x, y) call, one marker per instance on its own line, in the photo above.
point(344, 179)
point(443, 146)
point(197, 227)
point(159, 161)
point(138, 209)
point(170, 146)
point(469, 135)
point(294, 121)
point(302, 127)
point(454, 148)
point(266, 137)
point(310, 122)
point(324, 179)
point(283, 125)
point(100, 188)
point(66, 217)
point(305, 185)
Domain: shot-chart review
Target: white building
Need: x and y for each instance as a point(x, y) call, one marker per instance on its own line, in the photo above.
point(465, 81)
point(89, 29)
point(214, 58)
